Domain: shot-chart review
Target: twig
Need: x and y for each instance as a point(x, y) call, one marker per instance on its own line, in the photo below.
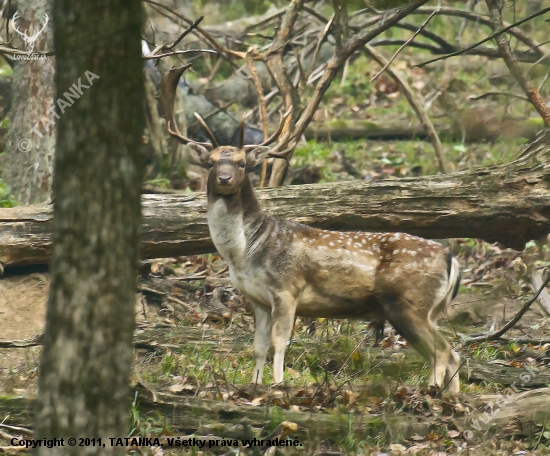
point(512, 63)
point(152, 291)
point(320, 41)
point(22, 343)
point(221, 49)
point(168, 54)
point(13, 51)
point(494, 35)
point(415, 103)
point(193, 26)
point(513, 321)
point(480, 19)
point(388, 63)
point(491, 53)
point(428, 35)
point(455, 374)
point(498, 94)
point(18, 429)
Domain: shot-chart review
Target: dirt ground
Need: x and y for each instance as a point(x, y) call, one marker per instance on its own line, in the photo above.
point(190, 334)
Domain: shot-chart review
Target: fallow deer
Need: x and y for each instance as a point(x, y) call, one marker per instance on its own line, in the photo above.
point(286, 269)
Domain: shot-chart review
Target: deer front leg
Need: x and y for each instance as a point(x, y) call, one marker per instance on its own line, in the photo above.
point(284, 308)
point(262, 340)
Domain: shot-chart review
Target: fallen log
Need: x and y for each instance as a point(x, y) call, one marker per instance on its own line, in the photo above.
point(201, 416)
point(505, 203)
point(473, 126)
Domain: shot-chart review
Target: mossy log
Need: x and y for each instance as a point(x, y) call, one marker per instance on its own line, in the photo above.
point(474, 126)
point(505, 203)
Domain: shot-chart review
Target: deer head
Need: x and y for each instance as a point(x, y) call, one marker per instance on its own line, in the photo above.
point(227, 164)
point(29, 40)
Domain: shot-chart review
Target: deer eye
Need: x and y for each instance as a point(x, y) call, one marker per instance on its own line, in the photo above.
point(242, 164)
point(210, 164)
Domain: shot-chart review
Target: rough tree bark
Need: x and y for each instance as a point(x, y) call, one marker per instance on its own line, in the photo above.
point(28, 162)
point(506, 203)
point(87, 354)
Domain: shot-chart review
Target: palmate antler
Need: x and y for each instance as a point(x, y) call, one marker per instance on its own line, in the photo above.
point(168, 86)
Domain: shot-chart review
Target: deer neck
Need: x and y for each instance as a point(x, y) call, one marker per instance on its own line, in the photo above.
point(236, 222)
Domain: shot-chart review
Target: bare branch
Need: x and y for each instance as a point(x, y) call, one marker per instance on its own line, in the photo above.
point(497, 334)
point(262, 107)
point(513, 65)
point(223, 51)
point(498, 94)
point(355, 42)
point(22, 343)
point(415, 103)
point(494, 35)
point(424, 24)
point(193, 26)
point(484, 20)
point(168, 54)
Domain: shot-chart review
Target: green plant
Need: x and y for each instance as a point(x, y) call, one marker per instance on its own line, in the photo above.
point(6, 198)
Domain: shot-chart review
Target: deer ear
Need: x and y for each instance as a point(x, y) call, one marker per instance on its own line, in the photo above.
point(256, 156)
point(200, 154)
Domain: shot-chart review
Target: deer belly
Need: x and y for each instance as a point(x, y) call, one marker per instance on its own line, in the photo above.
point(322, 303)
point(251, 286)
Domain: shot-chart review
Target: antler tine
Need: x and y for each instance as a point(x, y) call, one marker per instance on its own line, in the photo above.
point(276, 134)
point(207, 128)
point(184, 140)
point(241, 132)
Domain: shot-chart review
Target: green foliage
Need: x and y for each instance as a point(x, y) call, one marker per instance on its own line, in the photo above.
point(6, 198)
point(145, 427)
point(160, 182)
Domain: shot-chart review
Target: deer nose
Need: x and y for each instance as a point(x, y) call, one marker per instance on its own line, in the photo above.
point(224, 179)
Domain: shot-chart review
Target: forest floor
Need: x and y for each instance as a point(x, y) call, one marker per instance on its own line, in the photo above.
point(193, 366)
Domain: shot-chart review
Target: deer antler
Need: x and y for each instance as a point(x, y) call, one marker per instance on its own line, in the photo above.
point(275, 134)
point(168, 86)
point(241, 132)
point(207, 128)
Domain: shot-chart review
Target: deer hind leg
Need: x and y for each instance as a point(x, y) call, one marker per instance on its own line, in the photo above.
point(284, 308)
point(262, 340)
point(451, 374)
point(427, 341)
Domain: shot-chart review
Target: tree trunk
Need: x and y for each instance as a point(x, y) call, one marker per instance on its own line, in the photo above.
point(85, 366)
point(28, 162)
point(506, 203)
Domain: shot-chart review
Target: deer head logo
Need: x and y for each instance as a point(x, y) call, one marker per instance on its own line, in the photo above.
point(29, 40)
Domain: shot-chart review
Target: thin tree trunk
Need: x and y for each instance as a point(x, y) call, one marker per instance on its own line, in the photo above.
point(28, 162)
point(87, 356)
